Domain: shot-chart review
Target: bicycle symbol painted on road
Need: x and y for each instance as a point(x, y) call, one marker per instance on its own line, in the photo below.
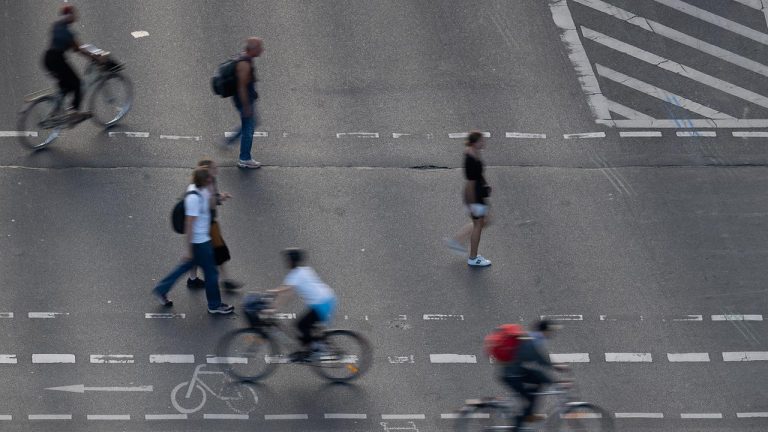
point(190, 396)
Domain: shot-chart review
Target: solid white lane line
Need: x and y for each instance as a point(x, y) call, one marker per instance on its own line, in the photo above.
point(686, 123)
point(226, 360)
point(752, 415)
point(451, 416)
point(701, 415)
point(584, 135)
point(569, 358)
point(165, 417)
point(716, 20)
point(754, 134)
point(688, 357)
point(164, 315)
point(129, 134)
point(45, 315)
point(11, 134)
point(50, 417)
point(112, 358)
point(659, 93)
point(526, 135)
point(457, 135)
point(570, 36)
point(733, 317)
point(628, 357)
point(8, 359)
point(452, 358)
point(255, 134)
point(639, 415)
point(346, 416)
point(180, 137)
point(675, 67)
point(403, 417)
point(640, 134)
point(696, 133)
point(108, 417)
point(53, 358)
point(572, 317)
point(358, 134)
point(626, 111)
point(286, 417)
point(442, 317)
point(225, 416)
point(172, 358)
point(741, 356)
point(677, 36)
point(6, 314)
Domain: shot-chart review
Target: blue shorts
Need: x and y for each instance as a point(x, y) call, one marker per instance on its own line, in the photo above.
point(325, 310)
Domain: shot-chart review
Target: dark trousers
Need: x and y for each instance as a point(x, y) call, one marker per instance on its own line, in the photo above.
point(526, 385)
point(202, 256)
point(68, 80)
point(306, 325)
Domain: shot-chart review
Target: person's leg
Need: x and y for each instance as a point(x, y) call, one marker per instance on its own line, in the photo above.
point(71, 83)
point(305, 325)
point(246, 136)
point(164, 286)
point(204, 258)
point(477, 229)
point(463, 235)
point(520, 388)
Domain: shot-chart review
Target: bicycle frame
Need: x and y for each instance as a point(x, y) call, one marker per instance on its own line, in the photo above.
point(196, 380)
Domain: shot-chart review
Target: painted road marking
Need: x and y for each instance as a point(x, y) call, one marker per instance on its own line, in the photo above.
point(400, 359)
point(452, 416)
point(6, 417)
point(8, 359)
point(455, 135)
point(165, 315)
point(53, 358)
point(80, 388)
point(640, 134)
point(688, 357)
point(621, 318)
point(225, 416)
point(403, 417)
point(452, 358)
point(180, 137)
point(741, 356)
point(286, 417)
point(562, 317)
point(526, 135)
point(626, 111)
point(701, 415)
point(737, 317)
point(108, 417)
point(129, 134)
point(569, 358)
point(696, 133)
point(139, 34)
point(743, 134)
point(584, 135)
point(6, 314)
point(346, 416)
point(752, 414)
point(716, 20)
point(685, 123)
point(112, 358)
point(45, 315)
point(165, 417)
point(358, 134)
point(639, 415)
point(226, 360)
point(628, 357)
point(11, 134)
point(684, 318)
point(285, 316)
point(255, 134)
point(442, 317)
point(171, 358)
point(50, 417)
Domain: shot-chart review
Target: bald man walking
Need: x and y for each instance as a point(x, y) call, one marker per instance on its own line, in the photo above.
point(245, 101)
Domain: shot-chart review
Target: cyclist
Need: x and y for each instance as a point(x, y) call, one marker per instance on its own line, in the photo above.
point(319, 297)
point(527, 373)
point(62, 40)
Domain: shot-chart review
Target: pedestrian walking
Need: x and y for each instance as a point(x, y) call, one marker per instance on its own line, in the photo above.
point(220, 250)
point(199, 251)
point(244, 99)
point(476, 193)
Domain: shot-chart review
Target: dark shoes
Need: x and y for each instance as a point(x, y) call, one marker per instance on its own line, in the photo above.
point(163, 300)
point(230, 284)
point(195, 283)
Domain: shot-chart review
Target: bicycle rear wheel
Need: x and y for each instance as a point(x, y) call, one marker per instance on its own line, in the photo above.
point(32, 120)
point(111, 99)
point(584, 417)
point(348, 356)
point(247, 354)
point(484, 417)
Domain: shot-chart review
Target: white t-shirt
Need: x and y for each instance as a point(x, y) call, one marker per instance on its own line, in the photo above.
point(197, 206)
point(309, 286)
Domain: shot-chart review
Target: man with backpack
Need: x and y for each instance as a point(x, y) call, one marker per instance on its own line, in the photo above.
point(196, 227)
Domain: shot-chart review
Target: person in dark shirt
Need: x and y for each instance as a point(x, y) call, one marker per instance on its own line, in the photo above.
point(476, 192)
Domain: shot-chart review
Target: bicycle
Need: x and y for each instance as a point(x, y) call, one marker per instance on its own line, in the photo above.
point(568, 414)
point(109, 94)
point(195, 395)
point(255, 352)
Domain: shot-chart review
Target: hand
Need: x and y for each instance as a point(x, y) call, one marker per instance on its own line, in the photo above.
point(225, 196)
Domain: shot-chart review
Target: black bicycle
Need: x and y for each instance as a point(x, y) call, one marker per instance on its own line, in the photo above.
point(254, 352)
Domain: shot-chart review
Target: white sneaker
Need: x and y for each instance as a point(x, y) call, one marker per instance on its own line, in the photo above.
point(478, 261)
point(455, 246)
point(248, 164)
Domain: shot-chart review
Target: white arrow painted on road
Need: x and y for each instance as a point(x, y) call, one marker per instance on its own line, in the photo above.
point(80, 388)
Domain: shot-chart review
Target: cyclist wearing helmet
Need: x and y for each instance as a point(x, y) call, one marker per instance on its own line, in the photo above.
point(319, 297)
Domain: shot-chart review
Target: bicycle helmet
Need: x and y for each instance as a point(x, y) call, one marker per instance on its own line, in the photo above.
point(295, 256)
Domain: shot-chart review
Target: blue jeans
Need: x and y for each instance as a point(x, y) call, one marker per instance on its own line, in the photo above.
point(247, 126)
point(202, 256)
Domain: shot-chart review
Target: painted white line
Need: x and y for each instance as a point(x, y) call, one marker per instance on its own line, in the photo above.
point(108, 417)
point(285, 316)
point(526, 135)
point(686, 318)
point(164, 315)
point(346, 416)
point(628, 357)
point(171, 358)
point(139, 34)
point(165, 417)
point(741, 356)
point(277, 359)
point(754, 134)
point(733, 317)
point(581, 415)
point(45, 315)
point(53, 358)
point(358, 134)
point(626, 111)
point(755, 4)
point(6, 417)
point(696, 133)
point(659, 93)
point(688, 357)
point(457, 135)
point(11, 134)
point(255, 134)
point(400, 135)
point(583, 135)
point(286, 417)
point(686, 123)
point(570, 36)
point(112, 358)
point(675, 67)
point(180, 137)
point(6, 314)
point(639, 415)
point(452, 416)
point(442, 317)
point(400, 359)
point(225, 416)
point(8, 359)
point(716, 20)
point(569, 358)
point(701, 415)
point(452, 358)
point(640, 134)
point(752, 415)
point(403, 417)
point(50, 417)
point(562, 317)
point(129, 134)
point(226, 360)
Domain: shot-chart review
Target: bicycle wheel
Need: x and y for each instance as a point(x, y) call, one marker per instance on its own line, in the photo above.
point(348, 356)
point(184, 404)
point(111, 99)
point(584, 417)
point(249, 354)
point(31, 121)
point(243, 400)
point(484, 417)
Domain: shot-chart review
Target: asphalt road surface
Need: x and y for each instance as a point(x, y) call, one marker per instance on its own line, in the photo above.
point(626, 149)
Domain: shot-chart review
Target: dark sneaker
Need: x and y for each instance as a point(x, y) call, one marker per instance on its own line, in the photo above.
point(229, 284)
point(195, 283)
point(163, 299)
point(222, 309)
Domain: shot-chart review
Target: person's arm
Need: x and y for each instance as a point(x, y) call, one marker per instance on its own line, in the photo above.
point(189, 221)
point(243, 78)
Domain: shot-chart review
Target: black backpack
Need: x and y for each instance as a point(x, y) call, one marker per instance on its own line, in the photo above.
point(224, 81)
point(178, 214)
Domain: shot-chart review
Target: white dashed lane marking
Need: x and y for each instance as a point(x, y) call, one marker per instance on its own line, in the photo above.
point(693, 134)
point(752, 415)
point(139, 34)
point(526, 135)
point(737, 317)
point(584, 135)
point(462, 135)
point(403, 417)
point(225, 416)
point(181, 137)
point(628, 357)
point(45, 315)
point(357, 135)
point(50, 417)
point(226, 360)
point(742, 134)
point(452, 416)
point(570, 358)
point(165, 315)
point(452, 358)
point(6, 314)
point(743, 356)
point(6, 417)
point(108, 417)
point(255, 134)
point(8, 359)
point(562, 317)
point(341, 416)
point(13, 134)
point(171, 358)
point(286, 417)
point(442, 317)
point(165, 417)
point(112, 359)
point(701, 415)
point(53, 358)
point(640, 134)
point(688, 357)
point(645, 415)
point(129, 134)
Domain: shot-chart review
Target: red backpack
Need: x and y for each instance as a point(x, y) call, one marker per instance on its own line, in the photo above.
point(502, 343)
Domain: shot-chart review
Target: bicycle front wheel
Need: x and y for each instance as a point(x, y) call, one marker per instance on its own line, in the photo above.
point(491, 417)
point(248, 354)
point(111, 99)
point(584, 417)
point(32, 121)
point(348, 356)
